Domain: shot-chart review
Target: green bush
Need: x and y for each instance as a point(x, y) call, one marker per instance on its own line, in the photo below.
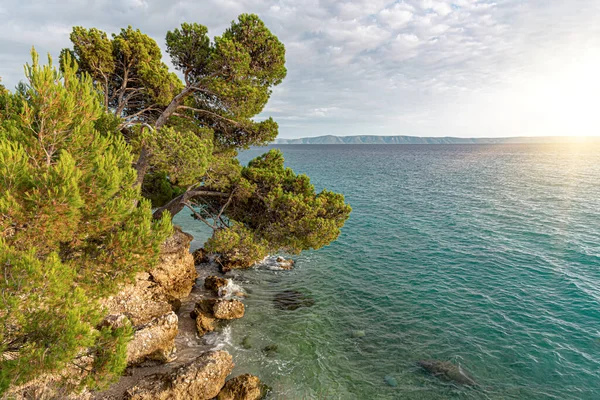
point(72, 226)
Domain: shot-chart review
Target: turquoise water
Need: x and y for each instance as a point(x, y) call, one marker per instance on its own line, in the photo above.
point(485, 256)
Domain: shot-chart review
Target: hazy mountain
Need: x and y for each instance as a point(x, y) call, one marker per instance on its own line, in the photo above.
point(369, 139)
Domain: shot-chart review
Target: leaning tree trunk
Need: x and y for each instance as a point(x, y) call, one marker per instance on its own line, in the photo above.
point(178, 203)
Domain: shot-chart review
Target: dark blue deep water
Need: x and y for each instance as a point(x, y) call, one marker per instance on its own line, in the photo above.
point(487, 256)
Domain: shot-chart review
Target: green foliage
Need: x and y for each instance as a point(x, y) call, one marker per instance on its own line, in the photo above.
point(238, 246)
point(190, 49)
point(70, 231)
point(128, 69)
point(183, 155)
point(190, 133)
point(110, 355)
point(284, 209)
point(159, 189)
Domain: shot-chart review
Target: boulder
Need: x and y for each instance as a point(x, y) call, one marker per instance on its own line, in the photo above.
point(200, 256)
point(285, 264)
point(447, 371)
point(243, 387)
point(270, 350)
point(214, 283)
point(228, 309)
point(154, 341)
point(175, 271)
point(200, 379)
point(141, 301)
point(207, 311)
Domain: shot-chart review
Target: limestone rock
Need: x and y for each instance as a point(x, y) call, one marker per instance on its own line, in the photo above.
point(155, 340)
point(200, 379)
point(214, 283)
point(200, 256)
point(228, 309)
point(285, 264)
point(175, 271)
point(243, 387)
point(141, 301)
point(207, 311)
point(205, 323)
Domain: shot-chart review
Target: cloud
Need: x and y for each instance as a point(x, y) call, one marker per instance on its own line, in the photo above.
point(423, 67)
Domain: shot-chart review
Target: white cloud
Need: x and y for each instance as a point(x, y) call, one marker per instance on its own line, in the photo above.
point(426, 67)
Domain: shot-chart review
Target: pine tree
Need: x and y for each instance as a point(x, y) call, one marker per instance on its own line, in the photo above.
point(71, 228)
point(186, 134)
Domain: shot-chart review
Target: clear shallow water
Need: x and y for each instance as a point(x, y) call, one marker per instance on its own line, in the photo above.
point(486, 256)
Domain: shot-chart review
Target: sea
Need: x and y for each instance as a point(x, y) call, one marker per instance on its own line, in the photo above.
point(484, 256)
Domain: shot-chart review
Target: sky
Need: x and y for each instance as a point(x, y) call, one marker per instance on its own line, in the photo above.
point(466, 68)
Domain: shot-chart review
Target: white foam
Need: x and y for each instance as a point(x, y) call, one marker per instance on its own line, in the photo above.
point(228, 291)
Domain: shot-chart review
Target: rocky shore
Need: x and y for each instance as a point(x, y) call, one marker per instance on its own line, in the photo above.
point(157, 305)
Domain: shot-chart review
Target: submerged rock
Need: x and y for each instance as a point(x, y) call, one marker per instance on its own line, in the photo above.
point(200, 379)
point(359, 334)
point(270, 350)
point(243, 387)
point(214, 283)
point(390, 380)
point(292, 300)
point(246, 343)
point(447, 371)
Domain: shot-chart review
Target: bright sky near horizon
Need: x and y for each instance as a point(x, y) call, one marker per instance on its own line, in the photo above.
point(467, 68)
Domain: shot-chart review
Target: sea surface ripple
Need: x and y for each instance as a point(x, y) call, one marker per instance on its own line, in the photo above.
point(487, 256)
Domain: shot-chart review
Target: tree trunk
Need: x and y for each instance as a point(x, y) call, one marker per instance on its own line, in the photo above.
point(172, 107)
point(177, 204)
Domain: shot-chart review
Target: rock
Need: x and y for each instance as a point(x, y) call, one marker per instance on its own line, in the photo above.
point(246, 343)
point(175, 271)
point(155, 340)
point(447, 371)
point(214, 283)
point(243, 387)
point(285, 264)
point(228, 309)
point(207, 311)
point(205, 323)
point(358, 334)
point(200, 256)
point(390, 380)
point(270, 350)
point(141, 301)
point(292, 300)
point(200, 379)
point(239, 294)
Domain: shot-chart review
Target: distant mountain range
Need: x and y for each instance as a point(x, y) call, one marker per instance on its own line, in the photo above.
point(368, 139)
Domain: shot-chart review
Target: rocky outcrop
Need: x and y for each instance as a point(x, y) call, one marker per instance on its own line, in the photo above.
point(447, 371)
point(208, 311)
point(147, 304)
point(243, 387)
point(155, 340)
point(215, 284)
point(175, 272)
point(285, 264)
point(149, 301)
point(228, 309)
point(200, 256)
point(201, 379)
